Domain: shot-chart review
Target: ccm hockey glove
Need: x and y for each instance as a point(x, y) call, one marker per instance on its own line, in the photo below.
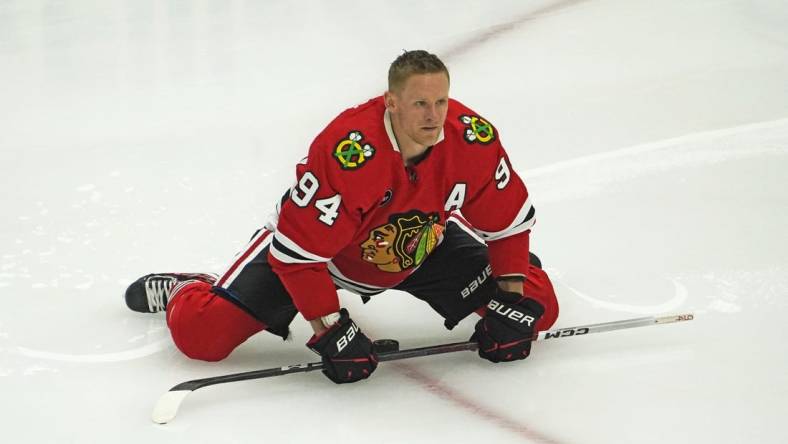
point(506, 330)
point(346, 352)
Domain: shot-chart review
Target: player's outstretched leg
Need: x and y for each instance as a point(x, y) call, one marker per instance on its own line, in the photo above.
point(151, 293)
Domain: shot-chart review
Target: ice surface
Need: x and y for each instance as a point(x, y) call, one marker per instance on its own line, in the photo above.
point(155, 136)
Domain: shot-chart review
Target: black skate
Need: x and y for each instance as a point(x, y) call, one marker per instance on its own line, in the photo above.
point(150, 293)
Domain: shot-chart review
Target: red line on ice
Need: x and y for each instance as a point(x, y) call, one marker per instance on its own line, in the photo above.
point(435, 386)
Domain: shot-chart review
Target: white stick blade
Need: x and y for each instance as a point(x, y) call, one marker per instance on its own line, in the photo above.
point(167, 406)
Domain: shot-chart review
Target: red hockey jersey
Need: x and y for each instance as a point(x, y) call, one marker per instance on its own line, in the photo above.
point(359, 219)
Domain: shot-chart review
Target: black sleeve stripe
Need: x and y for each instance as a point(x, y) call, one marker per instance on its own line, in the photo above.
point(284, 198)
point(530, 215)
point(523, 221)
point(288, 252)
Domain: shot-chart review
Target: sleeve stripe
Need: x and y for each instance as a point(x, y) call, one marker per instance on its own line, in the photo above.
point(289, 252)
point(353, 288)
point(522, 222)
point(282, 201)
point(465, 226)
point(348, 284)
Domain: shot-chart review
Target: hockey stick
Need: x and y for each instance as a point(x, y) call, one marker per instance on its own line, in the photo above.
point(167, 406)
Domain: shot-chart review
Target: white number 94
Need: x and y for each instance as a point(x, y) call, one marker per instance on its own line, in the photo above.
point(305, 190)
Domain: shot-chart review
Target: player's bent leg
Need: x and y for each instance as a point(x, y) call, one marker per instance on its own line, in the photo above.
point(206, 326)
point(456, 279)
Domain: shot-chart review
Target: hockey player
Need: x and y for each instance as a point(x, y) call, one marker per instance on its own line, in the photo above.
point(410, 190)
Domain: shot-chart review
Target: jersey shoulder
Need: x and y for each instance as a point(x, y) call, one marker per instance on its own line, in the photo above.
point(469, 126)
point(366, 117)
point(353, 137)
point(348, 136)
point(352, 150)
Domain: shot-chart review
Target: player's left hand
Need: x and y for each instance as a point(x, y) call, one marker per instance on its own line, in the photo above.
point(506, 330)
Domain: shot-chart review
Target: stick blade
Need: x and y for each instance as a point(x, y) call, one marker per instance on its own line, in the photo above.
point(167, 406)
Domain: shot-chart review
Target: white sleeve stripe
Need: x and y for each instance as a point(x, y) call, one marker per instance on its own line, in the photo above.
point(359, 287)
point(353, 288)
point(286, 258)
point(525, 226)
point(522, 222)
point(283, 245)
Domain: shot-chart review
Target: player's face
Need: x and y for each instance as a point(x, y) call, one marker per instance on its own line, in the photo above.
point(419, 109)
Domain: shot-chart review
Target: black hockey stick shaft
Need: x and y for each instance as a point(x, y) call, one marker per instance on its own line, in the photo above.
point(303, 368)
point(167, 406)
point(433, 350)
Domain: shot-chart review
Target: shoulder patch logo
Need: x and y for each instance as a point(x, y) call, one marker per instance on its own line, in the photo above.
point(478, 130)
point(351, 154)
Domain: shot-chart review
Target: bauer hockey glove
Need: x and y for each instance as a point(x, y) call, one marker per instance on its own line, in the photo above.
point(346, 352)
point(504, 333)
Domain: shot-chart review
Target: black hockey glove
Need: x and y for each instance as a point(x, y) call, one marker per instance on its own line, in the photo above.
point(506, 330)
point(346, 352)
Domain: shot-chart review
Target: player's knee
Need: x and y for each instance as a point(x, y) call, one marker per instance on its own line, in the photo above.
point(205, 326)
point(202, 353)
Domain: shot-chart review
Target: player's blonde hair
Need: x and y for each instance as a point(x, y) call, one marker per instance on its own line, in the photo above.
point(413, 62)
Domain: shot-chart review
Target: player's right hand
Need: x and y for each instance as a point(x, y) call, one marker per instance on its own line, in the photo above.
point(506, 330)
point(346, 352)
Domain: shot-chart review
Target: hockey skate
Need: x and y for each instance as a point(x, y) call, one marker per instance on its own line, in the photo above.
point(150, 293)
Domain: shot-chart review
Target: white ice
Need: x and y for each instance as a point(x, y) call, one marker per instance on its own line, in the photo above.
point(140, 136)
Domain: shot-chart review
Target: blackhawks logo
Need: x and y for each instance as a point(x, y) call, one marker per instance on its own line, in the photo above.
point(478, 130)
point(404, 242)
point(350, 153)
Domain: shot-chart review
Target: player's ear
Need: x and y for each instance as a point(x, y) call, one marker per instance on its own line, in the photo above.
point(389, 100)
